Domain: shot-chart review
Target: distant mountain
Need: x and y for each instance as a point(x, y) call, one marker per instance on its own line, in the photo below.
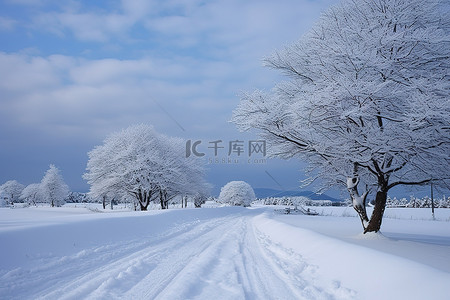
point(266, 193)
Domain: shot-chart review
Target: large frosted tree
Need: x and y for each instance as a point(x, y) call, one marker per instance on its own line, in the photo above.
point(366, 100)
point(139, 162)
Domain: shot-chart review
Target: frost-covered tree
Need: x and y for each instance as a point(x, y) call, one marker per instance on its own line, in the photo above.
point(140, 163)
point(366, 101)
point(237, 193)
point(199, 199)
point(183, 176)
point(10, 191)
point(53, 189)
point(30, 194)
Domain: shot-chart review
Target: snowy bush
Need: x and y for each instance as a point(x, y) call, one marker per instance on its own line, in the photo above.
point(77, 197)
point(237, 193)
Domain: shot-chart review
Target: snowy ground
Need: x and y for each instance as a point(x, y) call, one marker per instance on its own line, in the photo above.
point(221, 253)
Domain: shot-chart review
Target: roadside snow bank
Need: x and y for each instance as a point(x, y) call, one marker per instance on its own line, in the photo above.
point(374, 274)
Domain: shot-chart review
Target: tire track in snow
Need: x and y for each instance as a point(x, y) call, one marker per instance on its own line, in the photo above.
point(235, 261)
point(70, 277)
point(208, 270)
point(224, 257)
point(122, 272)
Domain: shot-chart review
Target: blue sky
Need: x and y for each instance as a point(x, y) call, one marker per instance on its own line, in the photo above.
point(72, 72)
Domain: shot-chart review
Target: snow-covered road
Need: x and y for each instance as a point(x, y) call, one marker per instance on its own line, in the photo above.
point(223, 253)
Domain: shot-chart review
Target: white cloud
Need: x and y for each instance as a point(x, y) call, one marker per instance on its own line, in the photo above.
point(7, 24)
point(185, 23)
point(133, 61)
point(84, 26)
point(215, 51)
point(27, 2)
point(63, 92)
point(138, 8)
point(20, 71)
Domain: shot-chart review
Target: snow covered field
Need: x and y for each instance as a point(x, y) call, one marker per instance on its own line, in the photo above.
point(221, 253)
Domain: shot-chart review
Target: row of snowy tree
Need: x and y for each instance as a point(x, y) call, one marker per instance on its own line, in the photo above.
point(179, 201)
point(414, 202)
point(292, 201)
point(52, 190)
point(234, 193)
point(136, 165)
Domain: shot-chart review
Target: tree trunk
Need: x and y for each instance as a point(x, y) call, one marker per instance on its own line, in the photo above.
point(163, 199)
point(378, 211)
point(143, 204)
point(358, 202)
point(104, 202)
point(144, 199)
point(361, 210)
